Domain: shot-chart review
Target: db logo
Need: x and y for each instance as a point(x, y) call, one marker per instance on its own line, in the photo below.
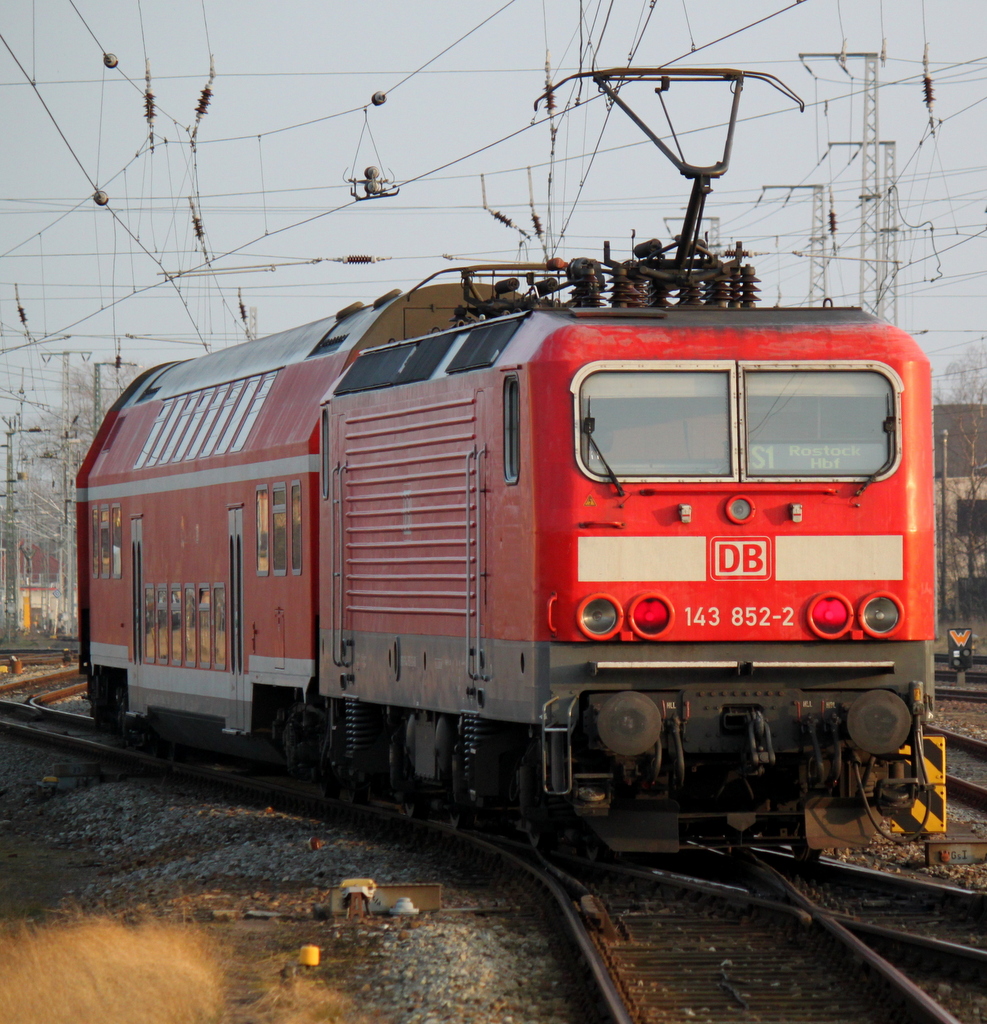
point(740, 558)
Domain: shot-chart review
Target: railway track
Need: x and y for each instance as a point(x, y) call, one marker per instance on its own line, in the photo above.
point(652, 946)
point(966, 779)
point(688, 949)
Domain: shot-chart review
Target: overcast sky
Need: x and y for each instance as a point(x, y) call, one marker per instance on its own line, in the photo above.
point(290, 118)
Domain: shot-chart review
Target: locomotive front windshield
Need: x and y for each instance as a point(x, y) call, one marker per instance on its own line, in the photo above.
point(642, 423)
point(818, 422)
point(656, 424)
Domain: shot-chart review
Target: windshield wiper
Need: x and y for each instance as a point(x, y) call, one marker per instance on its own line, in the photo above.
point(589, 425)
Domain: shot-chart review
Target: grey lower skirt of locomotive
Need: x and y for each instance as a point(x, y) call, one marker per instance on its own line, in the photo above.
point(732, 756)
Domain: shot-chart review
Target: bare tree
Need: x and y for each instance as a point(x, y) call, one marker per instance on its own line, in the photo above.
point(961, 469)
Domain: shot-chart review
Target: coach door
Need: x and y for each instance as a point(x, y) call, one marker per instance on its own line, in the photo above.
point(238, 680)
point(137, 596)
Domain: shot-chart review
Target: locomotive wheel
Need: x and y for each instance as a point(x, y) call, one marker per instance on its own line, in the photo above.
point(414, 806)
point(542, 840)
point(803, 855)
point(329, 784)
point(460, 817)
point(354, 794)
point(593, 848)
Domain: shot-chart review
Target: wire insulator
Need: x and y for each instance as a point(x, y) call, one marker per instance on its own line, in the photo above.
point(204, 97)
point(507, 222)
point(149, 107)
point(749, 290)
point(110, 60)
point(624, 293)
point(196, 221)
point(930, 96)
point(690, 294)
point(719, 291)
point(586, 284)
point(243, 308)
point(832, 222)
point(660, 294)
point(358, 259)
point(536, 222)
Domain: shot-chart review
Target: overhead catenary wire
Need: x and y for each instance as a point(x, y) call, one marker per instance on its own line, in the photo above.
point(600, 8)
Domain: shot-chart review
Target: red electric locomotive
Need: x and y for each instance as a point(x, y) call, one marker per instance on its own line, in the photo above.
point(642, 572)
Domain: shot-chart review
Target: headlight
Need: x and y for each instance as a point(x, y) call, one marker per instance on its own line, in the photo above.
point(599, 616)
point(880, 614)
point(739, 509)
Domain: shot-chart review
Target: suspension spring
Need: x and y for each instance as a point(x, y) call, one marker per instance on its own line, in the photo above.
point(475, 731)
point(363, 726)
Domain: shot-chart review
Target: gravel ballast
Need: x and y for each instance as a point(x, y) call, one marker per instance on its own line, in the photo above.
point(162, 847)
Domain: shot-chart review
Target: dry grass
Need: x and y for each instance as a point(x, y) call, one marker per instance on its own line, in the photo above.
point(103, 972)
point(308, 1002)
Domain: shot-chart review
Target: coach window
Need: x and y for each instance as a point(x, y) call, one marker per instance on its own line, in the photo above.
point(296, 528)
point(254, 411)
point(180, 428)
point(279, 520)
point(642, 423)
point(203, 425)
point(162, 622)
point(219, 618)
point(174, 410)
point(189, 620)
point(512, 430)
point(203, 399)
point(219, 423)
point(104, 542)
point(263, 550)
point(152, 436)
point(176, 626)
point(95, 542)
point(149, 650)
point(828, 423)
point(116, 541)
point(205, 640)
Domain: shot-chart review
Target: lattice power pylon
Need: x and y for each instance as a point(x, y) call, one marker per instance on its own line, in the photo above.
point(878, 216)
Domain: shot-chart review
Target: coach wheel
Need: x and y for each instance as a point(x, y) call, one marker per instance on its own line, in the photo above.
point(120, 710)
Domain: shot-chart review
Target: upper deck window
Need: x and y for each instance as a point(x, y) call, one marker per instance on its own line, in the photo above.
point(211, 421)
point(644, 423)
point(822, 423)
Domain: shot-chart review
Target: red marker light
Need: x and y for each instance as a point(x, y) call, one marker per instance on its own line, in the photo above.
point(830, 615)
point(649, 615)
